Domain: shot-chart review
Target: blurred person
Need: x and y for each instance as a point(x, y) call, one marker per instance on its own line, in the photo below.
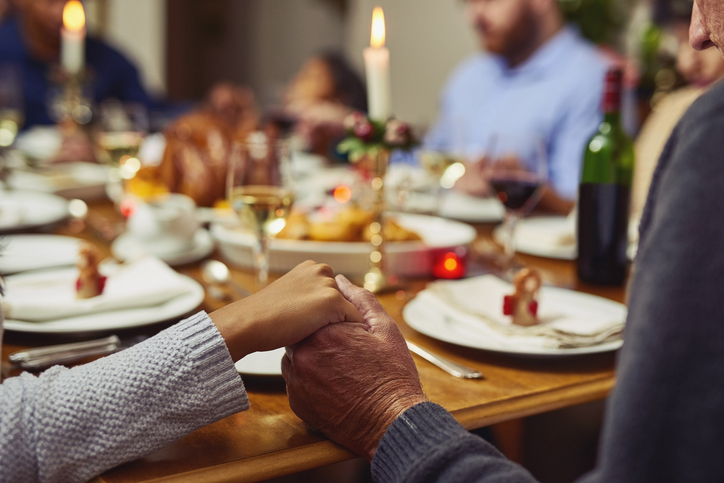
point(665, 418)
point(73, 424)
point(700, 69)
point(31, 38)
point(325, 90)
point(534, 74)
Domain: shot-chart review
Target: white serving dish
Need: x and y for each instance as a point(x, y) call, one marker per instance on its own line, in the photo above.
point(404, 259)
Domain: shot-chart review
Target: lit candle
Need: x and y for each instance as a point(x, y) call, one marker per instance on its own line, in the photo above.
point(72, 46)
point(377, 67)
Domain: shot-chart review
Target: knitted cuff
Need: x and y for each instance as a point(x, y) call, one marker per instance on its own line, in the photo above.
point(410, 437)
point(217, 376)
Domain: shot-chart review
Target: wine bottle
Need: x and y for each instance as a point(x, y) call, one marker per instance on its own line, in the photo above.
point(604, 194)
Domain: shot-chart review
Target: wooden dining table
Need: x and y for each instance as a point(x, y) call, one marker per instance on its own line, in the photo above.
point(269, 440)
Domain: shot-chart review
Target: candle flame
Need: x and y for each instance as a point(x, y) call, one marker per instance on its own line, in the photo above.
point(74, 16)
point(378, 28)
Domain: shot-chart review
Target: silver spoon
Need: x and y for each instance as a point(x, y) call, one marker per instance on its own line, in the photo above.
point(215, 272)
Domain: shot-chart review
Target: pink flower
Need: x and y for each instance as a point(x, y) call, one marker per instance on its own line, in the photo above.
point(397, 133)
point(364, 130)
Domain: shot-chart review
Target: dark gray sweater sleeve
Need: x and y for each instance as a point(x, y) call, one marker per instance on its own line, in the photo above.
point(69, 425)
point(426, 444)
point(665, 419)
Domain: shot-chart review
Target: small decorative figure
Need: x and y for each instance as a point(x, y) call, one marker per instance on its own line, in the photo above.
point(90, 282)
point(523, 304)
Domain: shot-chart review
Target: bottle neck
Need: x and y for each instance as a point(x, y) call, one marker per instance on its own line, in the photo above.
point(613, 118)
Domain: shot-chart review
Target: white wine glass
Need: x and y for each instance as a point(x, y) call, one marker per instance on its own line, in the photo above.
point(516, 167)
point(444, 169)
point(11, 111)
point(259, 190)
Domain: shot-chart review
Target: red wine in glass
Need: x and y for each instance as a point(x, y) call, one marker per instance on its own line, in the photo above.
point(517, 194)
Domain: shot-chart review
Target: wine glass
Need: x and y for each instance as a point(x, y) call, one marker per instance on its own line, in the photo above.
point(259, 191)
point(516, 167)
point(445, 169)
point(11, 111)
point(120, 132)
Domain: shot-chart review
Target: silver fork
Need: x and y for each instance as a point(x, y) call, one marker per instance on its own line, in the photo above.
point(453, 368)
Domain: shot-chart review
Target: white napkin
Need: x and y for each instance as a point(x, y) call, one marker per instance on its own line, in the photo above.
point(477, 304)
point(49, 295)
point(34, 252)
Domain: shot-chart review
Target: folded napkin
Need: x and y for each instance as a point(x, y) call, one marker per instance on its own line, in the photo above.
point(477, 304)
point(50, 295)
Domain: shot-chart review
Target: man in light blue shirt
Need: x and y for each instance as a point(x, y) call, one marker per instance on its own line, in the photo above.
point(537, 76)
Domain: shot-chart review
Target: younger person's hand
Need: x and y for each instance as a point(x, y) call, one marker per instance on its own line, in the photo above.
point(285, 312)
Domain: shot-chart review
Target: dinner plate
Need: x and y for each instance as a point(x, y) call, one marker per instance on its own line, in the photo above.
point(429, 319)
point(22, 210)
point(408, 259)
point(268, 363)
point(118, 319)
point(33, 252)
point(554, 237)
point(86, 181)
point(458, 206)
point(127, 247)
point(544, 236)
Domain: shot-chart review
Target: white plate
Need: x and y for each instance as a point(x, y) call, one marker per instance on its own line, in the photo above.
point(127, 247)
point(267, 363)
point(459, 206)
point(33, 252)
point(408, 259)
point(429, 320)
point(553, 237)
point(540, 236)
point(22, 210)
point(120, 319)
point(86, 181)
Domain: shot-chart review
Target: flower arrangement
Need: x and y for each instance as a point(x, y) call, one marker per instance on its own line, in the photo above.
point(367, 137)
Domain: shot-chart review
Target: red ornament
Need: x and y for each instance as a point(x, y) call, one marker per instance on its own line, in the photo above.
point(508, 305)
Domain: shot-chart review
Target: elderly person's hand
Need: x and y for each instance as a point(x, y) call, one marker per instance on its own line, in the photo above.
point(351, 381)
point(285, 312)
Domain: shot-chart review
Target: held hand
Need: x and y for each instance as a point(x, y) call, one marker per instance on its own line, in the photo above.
point(285, 312)
point(351, 381)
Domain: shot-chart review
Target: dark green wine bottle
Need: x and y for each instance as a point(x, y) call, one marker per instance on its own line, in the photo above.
point(604, 195)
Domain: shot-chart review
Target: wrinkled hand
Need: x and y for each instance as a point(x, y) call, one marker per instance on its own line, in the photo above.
point(285, 312)
point(351, 381)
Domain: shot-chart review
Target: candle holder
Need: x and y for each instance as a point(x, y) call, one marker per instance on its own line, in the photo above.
point(369, 143)
point(70, 103)
point(376, 280)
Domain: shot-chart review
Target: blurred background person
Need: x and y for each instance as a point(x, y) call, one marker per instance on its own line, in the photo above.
point(535, 75)
point(30, 37)
point(699, 69)
point(324, 91)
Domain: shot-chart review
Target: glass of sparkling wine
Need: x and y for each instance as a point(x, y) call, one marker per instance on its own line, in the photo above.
point(444, 169)
point(259, 191)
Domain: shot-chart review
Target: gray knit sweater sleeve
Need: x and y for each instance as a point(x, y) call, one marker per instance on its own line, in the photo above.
point(69, 425)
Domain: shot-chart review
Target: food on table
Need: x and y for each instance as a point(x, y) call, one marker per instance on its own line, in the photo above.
point(351, 224)
point(200, 144)
point(90, 282)
point(523, 304)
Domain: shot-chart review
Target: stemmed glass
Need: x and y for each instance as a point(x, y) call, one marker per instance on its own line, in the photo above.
point(516, 167)
point(444, 169)
point(260, 192)
point(11, 110)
